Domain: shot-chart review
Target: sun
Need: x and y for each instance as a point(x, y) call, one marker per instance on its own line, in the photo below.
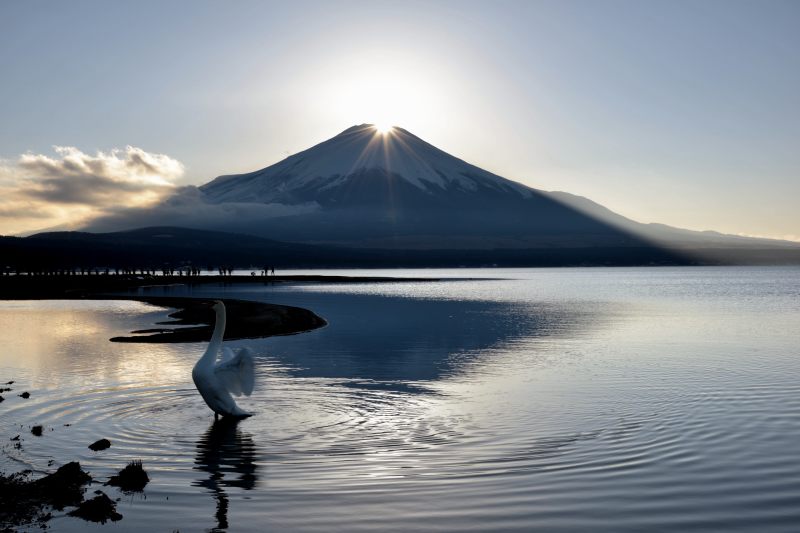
point(383, 127)
point(390, 88)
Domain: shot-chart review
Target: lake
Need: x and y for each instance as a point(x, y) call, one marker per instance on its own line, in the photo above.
point(602, 399)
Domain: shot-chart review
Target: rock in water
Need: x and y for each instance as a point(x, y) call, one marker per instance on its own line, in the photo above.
point(101, 444)
point(65, 485)
point(101, 508)
point(26, 501)
point(132, 478)
point(37, 430)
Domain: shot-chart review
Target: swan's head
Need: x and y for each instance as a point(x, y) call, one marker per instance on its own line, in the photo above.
point(218, 306)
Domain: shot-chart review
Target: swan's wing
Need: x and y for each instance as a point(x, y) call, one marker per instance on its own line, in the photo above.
point(237, 373)
point(227, 354)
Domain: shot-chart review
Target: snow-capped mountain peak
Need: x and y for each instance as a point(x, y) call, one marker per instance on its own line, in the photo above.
point(396, 154)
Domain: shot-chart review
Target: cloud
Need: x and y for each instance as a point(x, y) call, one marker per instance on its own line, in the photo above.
point(38, 190)
point(113, 178)
point(188, 207)
point(113, 191)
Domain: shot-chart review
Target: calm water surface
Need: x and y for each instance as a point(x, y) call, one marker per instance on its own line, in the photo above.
point(653, 399)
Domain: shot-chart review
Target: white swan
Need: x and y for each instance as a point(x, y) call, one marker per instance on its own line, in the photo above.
point(234, 374)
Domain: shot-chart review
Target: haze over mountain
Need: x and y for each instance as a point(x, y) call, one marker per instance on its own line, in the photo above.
point(370, 189)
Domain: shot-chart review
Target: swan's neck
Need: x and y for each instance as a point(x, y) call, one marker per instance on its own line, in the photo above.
point(210, 357)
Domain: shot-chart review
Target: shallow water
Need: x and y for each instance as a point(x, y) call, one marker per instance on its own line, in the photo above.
point(652, 399)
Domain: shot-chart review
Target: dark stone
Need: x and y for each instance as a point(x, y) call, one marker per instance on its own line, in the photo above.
point(25, 395)
point(65, 485)
point(132, 478)
point(37, 430)
point(100, 509)
point(26, 501)
point(101, 444)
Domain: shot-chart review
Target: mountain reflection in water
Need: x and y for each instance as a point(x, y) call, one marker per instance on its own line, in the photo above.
point(401, 340)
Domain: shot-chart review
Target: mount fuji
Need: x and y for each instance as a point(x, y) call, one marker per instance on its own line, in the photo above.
point(341, 162)
point(392, 198)
point(385, 190)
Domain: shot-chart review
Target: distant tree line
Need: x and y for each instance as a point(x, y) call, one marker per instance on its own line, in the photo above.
point(164, 271)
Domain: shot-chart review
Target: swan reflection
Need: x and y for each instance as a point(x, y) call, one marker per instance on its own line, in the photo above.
point(229, 457)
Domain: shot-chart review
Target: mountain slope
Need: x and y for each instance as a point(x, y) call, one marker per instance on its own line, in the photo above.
point(396, 190)
point(154, 247)
point(318, 172)
point(160, 247)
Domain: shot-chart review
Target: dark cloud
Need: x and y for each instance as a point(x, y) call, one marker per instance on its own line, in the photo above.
point(92, 190)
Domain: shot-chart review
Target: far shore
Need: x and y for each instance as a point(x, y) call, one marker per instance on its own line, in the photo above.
point(56, 287)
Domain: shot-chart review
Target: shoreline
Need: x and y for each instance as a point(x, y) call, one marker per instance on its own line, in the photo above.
point(193, 320)
point(74, 287)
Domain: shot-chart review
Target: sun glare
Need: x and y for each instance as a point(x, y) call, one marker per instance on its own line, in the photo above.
point(383, 127)
point(383, 89)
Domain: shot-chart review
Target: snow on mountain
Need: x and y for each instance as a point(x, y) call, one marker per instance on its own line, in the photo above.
point(369, 188)
point(356, 150)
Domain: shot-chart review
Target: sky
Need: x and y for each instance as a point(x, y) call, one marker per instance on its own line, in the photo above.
point(683, 112)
